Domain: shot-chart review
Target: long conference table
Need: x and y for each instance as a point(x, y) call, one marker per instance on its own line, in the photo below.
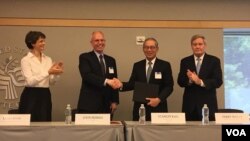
point(59, 131)
point(191, 131)
point(120, 131)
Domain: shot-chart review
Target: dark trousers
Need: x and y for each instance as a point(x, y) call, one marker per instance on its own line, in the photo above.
point(37, 102)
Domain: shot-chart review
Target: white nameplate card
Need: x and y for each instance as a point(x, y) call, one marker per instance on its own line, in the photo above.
point(15, 119)
point(231, 118)
point(92, 119)
point(168, 118)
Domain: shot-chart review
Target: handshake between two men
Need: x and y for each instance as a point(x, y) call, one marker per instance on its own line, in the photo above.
point(114, 83)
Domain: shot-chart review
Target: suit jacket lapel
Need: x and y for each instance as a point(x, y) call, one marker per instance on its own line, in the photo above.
point(96, 60)
point(156, 65)
point(144, 73)
point(204, 62)
point(193, 65)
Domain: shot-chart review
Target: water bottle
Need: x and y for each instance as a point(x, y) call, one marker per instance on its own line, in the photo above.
point(68, 116)
point(142, 115)
point(205, 115)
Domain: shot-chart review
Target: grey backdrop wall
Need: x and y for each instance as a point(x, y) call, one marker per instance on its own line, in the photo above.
point(128, 9)
point(66, 43)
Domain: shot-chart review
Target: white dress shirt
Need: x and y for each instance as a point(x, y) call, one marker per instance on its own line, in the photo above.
point(36, 72)
point(196, 61)
point(152, 65)
point(98, 56)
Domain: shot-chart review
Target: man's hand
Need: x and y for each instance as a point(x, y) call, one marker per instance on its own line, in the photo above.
point(153, 102)
point(114, 83)
point(113, 107)
point(193, 77)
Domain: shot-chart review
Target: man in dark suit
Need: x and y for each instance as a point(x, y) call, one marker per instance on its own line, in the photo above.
point(97, 71)
point(200, 74)
point(161, 75)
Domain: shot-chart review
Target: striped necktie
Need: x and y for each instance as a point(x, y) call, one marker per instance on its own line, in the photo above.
point(149, 70)
point(198, 65)
point(102, 64)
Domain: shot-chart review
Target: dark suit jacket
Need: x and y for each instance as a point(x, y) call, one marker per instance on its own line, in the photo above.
point(94, 96)
point(165, 85)
point(196, 96)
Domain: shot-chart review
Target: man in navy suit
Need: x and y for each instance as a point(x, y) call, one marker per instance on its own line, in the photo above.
point(200, 74)
point(161, 75)
point(97, 71)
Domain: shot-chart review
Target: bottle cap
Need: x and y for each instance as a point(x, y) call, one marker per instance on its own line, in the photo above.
point(142, 105)
point(205, 105)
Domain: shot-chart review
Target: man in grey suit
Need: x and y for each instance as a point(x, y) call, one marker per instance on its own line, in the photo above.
point(97, 71)
point(200, 74)
point(161, 75)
